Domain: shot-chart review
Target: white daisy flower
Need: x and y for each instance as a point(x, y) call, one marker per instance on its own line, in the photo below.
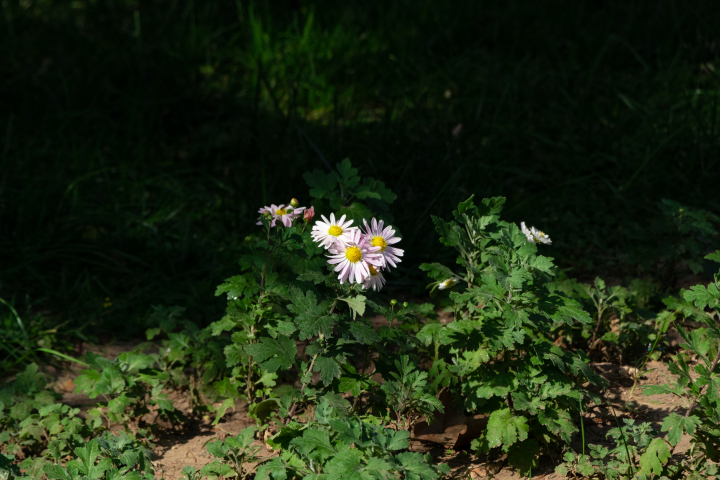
point(326, 232)
point(286, 214)
point(449, 283)
point(376, 281)
point(383, 238)
point(534, 235)
point(354, 257)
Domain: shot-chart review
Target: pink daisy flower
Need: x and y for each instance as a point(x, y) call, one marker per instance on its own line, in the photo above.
point(327, 232)
point(354, 258)
point(383, 238)
point(376, 281)
point(286, 214)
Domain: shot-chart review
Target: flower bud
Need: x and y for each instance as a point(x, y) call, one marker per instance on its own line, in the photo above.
point(406, 305)
point(393, 302)
point(309, 214)
point(267, 215)
point(249, 238)
point(294, 203)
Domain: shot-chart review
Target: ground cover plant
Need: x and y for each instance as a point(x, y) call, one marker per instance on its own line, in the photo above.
point(547, 174)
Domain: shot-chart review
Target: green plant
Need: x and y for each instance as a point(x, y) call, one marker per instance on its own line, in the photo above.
point(193, 358)
point(30, 418)
point(406, 394)
point(230, 455)
point(339, 445)
point(700, 394)
point(129, 385)
point(637, 454)
point(496, 355)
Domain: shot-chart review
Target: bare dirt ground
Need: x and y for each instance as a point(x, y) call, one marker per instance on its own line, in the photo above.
point(447, 441)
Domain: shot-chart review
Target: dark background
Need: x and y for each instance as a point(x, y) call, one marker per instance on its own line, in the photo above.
point(138, 139)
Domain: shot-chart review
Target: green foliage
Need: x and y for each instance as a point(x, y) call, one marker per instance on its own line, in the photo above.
point(406, 393)
point(192, 358)
point(338, 445)
point(625, 327)
point(230, 455)
point(699, 390)
point(636, 455)
point(497, 352)
point(31, 419)
point(129, 386)
point(342, 187)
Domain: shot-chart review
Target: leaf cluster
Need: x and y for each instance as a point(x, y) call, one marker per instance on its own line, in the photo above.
point(339, 445)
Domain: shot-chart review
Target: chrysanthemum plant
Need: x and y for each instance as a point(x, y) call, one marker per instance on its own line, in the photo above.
point(496, 356)
point(297, 311)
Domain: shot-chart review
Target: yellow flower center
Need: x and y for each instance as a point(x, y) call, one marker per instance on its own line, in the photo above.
point(280, 212)
point(335, 231)
point(373, 272)
point(379, 242)
point(353, 254)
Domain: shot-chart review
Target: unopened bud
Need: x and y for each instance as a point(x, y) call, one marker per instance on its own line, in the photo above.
point(267, 215)
point(294, 203)
point(249, 238)
point(406, 305)
point(393, 302)
point(309, 214)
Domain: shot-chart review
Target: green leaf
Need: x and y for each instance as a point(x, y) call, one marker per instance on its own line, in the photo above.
point(217, 469)
point(505, 429)
point(273, 354)
point(356, 304)
point(656, 455)
point(227, 388)
point(674, 424)
point(322, 185)
point(264, 410)
point(347, 465)
point(238, 285)
point(703, 296)
point(363, 332)
point(558, 422)
point(715, 256)
point(437, 271)
point(316, 444)
point(415, 466)
point(329, 369)
point(311, 318)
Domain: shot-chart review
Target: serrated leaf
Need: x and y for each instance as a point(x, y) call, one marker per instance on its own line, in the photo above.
point(311, 318)
point(558, 422)
point(715, 256)
point(674, 424)
point(356, 304)
point(273, 354)
point(347, 464)
point(315, 443)
point(237, 286)
point(656, 455)
point(504, 428)
point(322, 185)
point(363, 333)
point(703, 296)
point(329, 369)
point(415, 466)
